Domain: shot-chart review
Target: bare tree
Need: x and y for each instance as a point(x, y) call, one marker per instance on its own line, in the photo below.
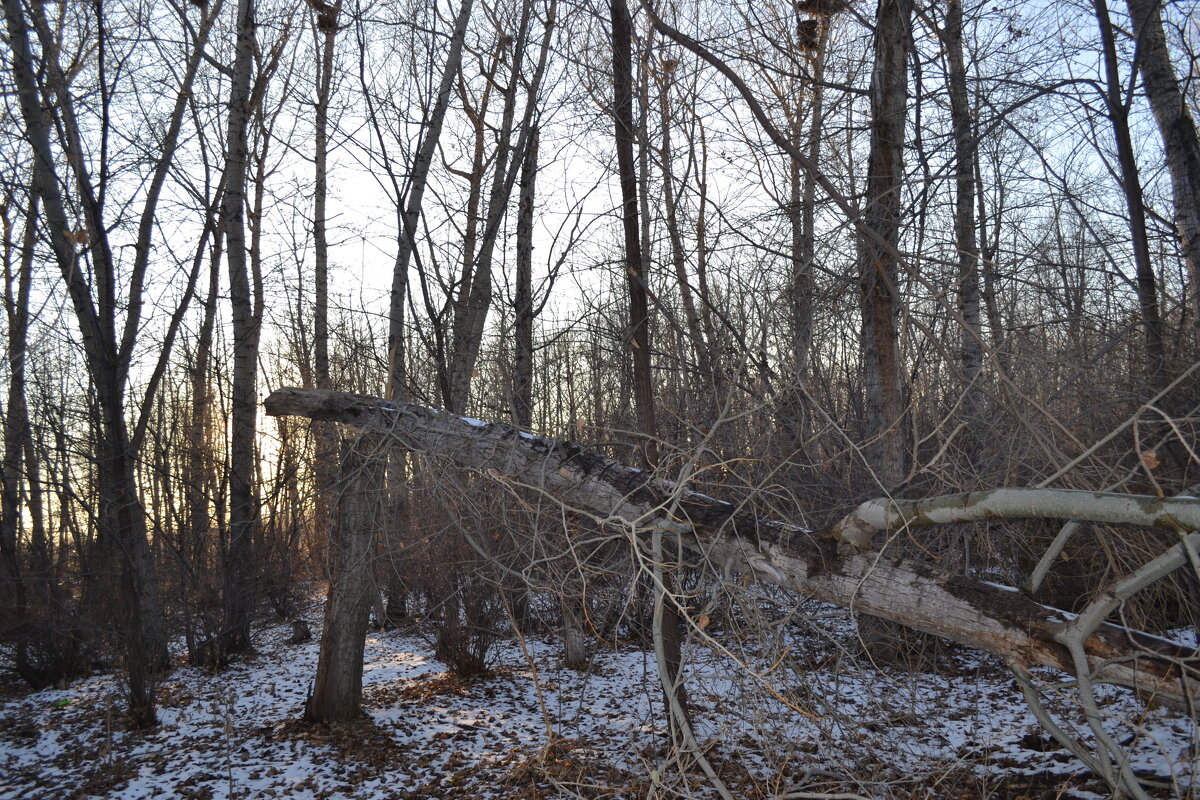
point(20, 466)
point(247, 322)
point(667, 623)
point(408, 213)
point(877, 266)
point(965, 156)
point(326, 23)
point(475, 294)
point(523, 302)
point(108, 341)
point(1147, 281)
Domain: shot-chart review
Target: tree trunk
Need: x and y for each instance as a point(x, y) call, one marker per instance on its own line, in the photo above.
point(702, 384)
point(877, 266)
point(121, 519)
point(635, 268)
point(1147, 281)
point(16, 420)
point(200, 468)
point(523, 311)
point(26, 570)
point(471, 313)
point(337, 694)
point(1178, 131)
point(419, 178)
point(574, 645)
point(243, 511)
point(812, 563)
point(971, 350)
point(326, 21)
point(801, 212)
point(639, 322)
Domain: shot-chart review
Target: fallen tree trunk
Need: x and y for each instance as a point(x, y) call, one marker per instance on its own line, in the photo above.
point(819, 564)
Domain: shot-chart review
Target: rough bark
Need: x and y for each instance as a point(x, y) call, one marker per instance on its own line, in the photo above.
point(812, 563)
point(574, 645)
point(523, 310)
point(337, 693)
point(877, 265)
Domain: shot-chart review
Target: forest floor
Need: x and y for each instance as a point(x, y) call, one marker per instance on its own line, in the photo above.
point(799, 714)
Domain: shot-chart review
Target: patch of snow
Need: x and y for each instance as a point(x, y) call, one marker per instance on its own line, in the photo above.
point(783, 699)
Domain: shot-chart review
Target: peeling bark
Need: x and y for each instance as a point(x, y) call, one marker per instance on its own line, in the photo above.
point(731, 538)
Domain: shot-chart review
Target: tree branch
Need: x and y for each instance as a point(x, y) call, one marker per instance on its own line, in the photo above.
point(728, 537)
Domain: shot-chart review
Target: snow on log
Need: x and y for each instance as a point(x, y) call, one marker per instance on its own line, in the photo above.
point(819, 564)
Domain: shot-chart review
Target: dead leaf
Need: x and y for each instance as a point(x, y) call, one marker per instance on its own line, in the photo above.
point(702, 623)
point(1149, 459)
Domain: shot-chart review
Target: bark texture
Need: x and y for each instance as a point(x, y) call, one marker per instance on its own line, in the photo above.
point(812, 563)
point(878, 267)
point(523, 307)
point(337, 694)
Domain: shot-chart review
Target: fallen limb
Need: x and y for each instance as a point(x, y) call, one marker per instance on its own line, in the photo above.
point(813, 563)
point(1175, 514)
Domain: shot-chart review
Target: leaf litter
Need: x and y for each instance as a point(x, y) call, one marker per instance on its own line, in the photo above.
point(962, 730)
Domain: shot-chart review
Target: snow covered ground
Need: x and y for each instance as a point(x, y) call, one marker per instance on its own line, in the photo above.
point(798, 714)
